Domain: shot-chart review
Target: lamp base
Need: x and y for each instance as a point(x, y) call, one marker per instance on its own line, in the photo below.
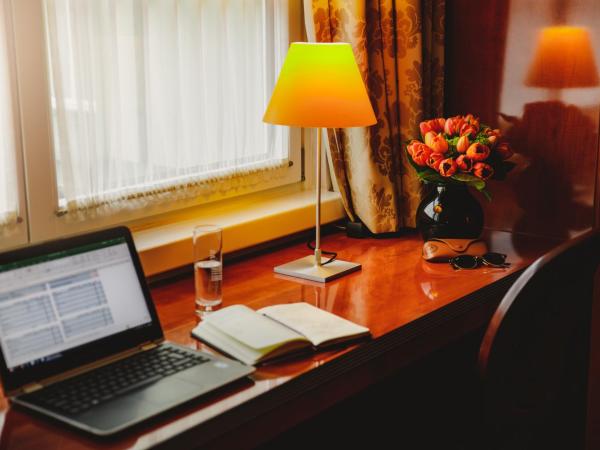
point(306, 268)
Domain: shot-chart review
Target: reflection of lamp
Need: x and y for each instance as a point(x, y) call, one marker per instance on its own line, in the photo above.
point(563, 59)
point(319, 86)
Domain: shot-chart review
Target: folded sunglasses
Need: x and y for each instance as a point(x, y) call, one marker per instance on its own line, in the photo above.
point(490, 259)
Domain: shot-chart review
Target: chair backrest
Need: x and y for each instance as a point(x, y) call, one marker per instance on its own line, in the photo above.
point(534, 355)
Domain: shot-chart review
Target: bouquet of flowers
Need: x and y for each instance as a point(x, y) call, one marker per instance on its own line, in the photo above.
point(460, 150)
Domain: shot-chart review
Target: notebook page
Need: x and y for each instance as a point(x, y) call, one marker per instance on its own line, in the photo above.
point(254, 330)
point(317, 325)
point(227, 344)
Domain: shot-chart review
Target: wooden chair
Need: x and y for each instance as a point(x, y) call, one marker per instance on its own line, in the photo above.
point(534, 355)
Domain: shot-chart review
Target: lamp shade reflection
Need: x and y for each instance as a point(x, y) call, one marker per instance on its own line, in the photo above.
point(564, 58)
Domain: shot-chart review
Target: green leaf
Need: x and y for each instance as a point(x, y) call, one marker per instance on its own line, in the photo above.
point(432, 177)
point(486, 194)
point(482, 139)
point(474, 182)
point(453, 141)
point(471, 180)
point(465, 177)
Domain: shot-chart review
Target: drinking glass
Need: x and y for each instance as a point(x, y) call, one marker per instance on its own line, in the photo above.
point(208, 268)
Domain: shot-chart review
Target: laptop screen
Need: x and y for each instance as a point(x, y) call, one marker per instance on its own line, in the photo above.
point(61, 300)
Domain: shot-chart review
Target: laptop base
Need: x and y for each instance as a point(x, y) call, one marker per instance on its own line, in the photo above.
point(150, 400)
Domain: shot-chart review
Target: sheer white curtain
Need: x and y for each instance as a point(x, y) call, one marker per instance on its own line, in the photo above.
point(152, 95)
point(8, 170)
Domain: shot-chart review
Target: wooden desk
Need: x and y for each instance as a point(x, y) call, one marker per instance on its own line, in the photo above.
point(411, 307)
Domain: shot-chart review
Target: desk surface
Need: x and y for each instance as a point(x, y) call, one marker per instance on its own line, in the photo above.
point(411, 307)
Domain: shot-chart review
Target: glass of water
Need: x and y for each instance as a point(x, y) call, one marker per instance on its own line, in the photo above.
point(208, 268)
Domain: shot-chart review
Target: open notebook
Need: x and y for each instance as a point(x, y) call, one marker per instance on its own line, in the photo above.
point(257, 336)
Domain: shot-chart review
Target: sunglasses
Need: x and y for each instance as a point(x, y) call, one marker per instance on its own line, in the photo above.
point(473, 262)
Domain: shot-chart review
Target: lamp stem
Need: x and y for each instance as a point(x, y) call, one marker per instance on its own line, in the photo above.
point(318, 203)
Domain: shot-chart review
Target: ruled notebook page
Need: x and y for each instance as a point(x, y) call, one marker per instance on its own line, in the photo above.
point(319, 326)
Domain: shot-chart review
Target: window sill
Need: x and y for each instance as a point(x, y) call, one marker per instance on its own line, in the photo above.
point(165, 242)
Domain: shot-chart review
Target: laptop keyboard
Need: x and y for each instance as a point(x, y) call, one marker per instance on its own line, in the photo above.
point(80, 393)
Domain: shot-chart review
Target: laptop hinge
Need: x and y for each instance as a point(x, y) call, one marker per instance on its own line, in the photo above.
point(32, 387)
point(148, 345)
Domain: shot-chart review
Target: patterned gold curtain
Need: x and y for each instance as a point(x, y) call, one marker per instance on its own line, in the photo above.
point(399, 47)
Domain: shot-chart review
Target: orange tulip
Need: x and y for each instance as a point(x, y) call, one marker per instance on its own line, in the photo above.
point(453, 124)
point(468, 130)
point(478, 152)
point(482, 170)
point(471, 119)
point(493, 135)
point(429, 138)
point(410, 148)
point(463, 163)
point(421, 154)
point(447, 167)
point(503, 148)
point(434, 160)
point(463, 144)
point(439, 144)
point(436, 125)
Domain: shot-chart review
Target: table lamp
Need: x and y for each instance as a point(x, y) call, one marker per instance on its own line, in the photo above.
point(319, 86)
point(563, 58)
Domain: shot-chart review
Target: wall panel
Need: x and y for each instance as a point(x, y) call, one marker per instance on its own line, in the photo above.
point(555, 131)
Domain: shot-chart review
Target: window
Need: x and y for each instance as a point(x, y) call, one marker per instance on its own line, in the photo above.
point(8, 169)
point(13, 229)
point(135, 107)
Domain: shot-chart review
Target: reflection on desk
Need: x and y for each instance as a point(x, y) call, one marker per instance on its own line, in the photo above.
point(411, 308)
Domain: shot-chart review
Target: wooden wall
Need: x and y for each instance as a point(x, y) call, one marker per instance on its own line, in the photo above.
point(488, 52)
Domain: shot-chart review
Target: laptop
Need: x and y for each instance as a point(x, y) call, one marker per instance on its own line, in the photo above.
point(80, 340)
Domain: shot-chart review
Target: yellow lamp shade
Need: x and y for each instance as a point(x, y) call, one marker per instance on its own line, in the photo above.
point(563, 59)
point(320, 86)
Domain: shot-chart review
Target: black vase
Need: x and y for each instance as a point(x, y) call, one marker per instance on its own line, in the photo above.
point(449, 211)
